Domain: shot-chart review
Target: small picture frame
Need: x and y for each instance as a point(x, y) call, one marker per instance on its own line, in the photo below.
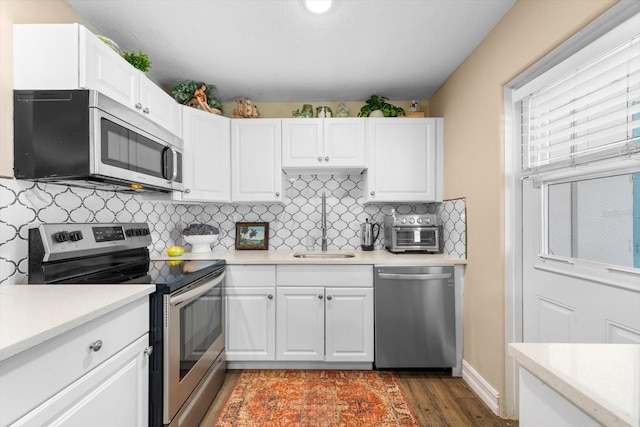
point(252, 235)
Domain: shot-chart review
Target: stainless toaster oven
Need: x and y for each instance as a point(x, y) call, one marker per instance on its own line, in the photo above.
point(412, 233)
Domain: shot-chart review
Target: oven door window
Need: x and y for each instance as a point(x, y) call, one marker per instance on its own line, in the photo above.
point(200, 326)
point(416, 236)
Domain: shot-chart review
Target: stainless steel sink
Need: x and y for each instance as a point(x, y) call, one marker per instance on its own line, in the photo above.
point(322, 255)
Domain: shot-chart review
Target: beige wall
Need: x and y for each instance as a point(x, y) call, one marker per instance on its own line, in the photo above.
point(471, 102)
point(20, 12)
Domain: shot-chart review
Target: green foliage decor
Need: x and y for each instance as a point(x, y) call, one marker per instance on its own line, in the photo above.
point(184, 90)
point(138, 60)
point(380, 103)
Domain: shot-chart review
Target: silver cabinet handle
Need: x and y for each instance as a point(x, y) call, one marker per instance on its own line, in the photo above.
point(138, 106)
point(320, 296)
point(373, 193)
point(277, 194)
point(146, 111)
point(326, 159)
point(329, 297)
point(149, 350)
point(187, 190)
point(96, 345)
point(319, 158)
point(270, 296)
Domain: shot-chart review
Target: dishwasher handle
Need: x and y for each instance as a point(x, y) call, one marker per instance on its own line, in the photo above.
point(410, 276)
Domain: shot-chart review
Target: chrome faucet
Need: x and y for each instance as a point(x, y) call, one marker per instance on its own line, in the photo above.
point(324, 222)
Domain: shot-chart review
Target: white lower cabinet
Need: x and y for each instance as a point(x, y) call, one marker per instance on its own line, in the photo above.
point(251, 329)
point(329, 324)
point(349, 325)
point(113, 394)
point(97, 374)
point(299, 313)
point(300, 324)
point(250, 313)
point(324, 313)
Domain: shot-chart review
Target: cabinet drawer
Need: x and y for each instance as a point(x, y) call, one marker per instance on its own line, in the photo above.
point(35, 375)
point(325, 275)
point(250, 275)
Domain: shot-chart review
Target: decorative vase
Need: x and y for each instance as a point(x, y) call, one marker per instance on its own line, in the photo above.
point(376, 113)
point(307, 111)
point(342, 110)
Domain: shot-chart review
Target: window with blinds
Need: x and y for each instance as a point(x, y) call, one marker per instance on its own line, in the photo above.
point(589, 114)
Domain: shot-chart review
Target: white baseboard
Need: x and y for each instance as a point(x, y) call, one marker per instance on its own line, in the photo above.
point(481, 387)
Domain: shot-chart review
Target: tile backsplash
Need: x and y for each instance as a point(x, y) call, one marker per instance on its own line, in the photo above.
point(292, 225)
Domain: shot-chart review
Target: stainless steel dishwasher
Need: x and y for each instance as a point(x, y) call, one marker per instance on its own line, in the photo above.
point(414, 317)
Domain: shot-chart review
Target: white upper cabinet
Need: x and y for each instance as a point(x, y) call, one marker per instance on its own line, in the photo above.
point(68, 56)
point(256, 164)
point(404, 160)
point(206, 169)
point(323, 145)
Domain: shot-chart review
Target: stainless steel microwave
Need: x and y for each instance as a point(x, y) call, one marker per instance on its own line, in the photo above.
point(413, 233)
point(84, 138)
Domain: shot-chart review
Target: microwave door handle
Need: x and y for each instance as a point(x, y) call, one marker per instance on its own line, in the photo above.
point(195, 292)
point(174, 164)
point(430, 276)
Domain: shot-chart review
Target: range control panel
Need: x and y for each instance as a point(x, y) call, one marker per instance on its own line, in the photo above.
point(66, 240)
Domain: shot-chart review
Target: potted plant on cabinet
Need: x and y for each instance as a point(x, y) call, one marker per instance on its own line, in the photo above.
point(379, 106)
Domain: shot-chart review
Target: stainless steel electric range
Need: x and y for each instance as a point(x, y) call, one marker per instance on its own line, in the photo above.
point(187, 366)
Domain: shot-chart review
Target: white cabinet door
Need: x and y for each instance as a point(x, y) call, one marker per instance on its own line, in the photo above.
point(251, 323)
point(345, 143)
point(349, 324)
point(116, 393)
point(300, 324)
point(323, 144)
point(207, 157)
point(302, 143)
point(256, 163)
point(104, 70)
point(156, 104)
point(404, 160)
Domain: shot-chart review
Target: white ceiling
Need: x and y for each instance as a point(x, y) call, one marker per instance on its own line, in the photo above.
point(276, 50)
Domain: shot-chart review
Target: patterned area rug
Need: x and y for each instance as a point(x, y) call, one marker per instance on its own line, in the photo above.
point(316, 398)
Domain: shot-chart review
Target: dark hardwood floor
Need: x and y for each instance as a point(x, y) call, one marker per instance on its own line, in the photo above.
point(437, 399)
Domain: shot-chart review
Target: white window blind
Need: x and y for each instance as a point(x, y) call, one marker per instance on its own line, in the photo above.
point(591, 113)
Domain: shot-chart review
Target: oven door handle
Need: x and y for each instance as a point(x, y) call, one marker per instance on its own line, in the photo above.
point(194, 293)
point(409, 276)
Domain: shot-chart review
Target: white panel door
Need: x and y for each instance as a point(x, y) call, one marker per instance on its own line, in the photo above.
point(404, 160)
point(104, 70)
point(116, 393)
point(344, 142)
point(349, 324)
point(251, 323)
point(158, 105)
point(302, 143)
point(300, 324)
point(207, 157)
point(256, 164)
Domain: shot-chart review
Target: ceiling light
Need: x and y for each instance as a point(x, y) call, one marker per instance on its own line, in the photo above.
point(318, 6)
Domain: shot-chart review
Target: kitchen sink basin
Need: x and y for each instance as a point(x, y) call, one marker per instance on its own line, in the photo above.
point(322, 255)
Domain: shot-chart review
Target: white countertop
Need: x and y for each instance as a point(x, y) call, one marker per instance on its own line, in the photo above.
point(33, 314)
point(603, 380)
point(286, 257)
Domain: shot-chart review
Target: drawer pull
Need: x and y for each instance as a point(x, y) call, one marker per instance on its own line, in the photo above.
point(329, 297)
point(96, 345)
point(320, 297)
